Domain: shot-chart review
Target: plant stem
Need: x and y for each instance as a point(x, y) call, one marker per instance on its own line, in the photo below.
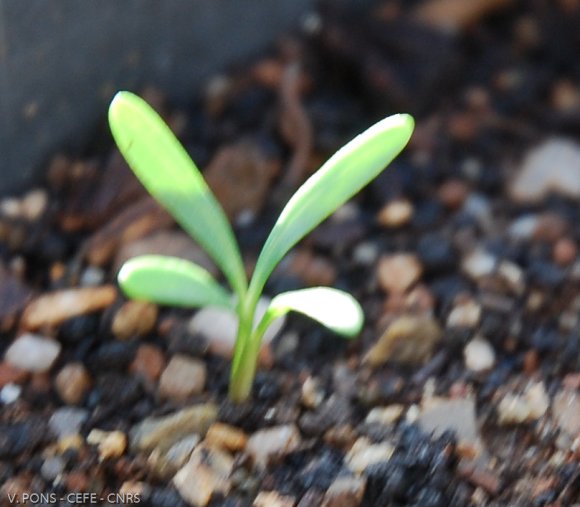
point(245, 355)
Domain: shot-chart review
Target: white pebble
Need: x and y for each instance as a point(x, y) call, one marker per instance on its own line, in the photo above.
point(10, 393)
point(34, 353)
point(479, 355)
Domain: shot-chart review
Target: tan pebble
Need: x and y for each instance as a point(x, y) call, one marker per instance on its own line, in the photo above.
point(149, 362)
point(463, 126)
point(271, 443)
point(77, 481)
point(565, 251)
point(364, 454)
point(345, 491)
point(311, 269)
point(572, 381)
point(33, 204)
point(408, 340)
point(464, 314)
point(342, 436)
point(72, 383)
point(385, 415)
point(53, 308)
point(134, 318)
point(550, 227)
point(273, 499)
point(565, 96)
point(226, 436)
point(396, 213)
point(112, 444)
point(421, 299)
point(312, 394)
point(183, 377)
point(398, 272)
point(268, 72)
point(453, 193)
point(70, 442)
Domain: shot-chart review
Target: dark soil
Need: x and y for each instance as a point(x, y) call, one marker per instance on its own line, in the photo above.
point(483, 95)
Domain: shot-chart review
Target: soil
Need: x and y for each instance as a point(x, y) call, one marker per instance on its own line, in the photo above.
point(472, 400)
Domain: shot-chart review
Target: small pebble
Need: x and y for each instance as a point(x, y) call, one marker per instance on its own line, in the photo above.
point(566, 411)
point(273, 499)
point(33, 204)
point(73, 383)
point(67, 421)
point(396, 213)
point(564, 252)
point(453, 193)
point(226, 437)
point(410, 339)
point(53, 308)
point(207, 472)
point(10, 393)
point(364, 454)
point(552, 167)
point(134, 319)
point(149, 362)
point(312, 394)
point(11, 375)
point(182, 378)
point(479, 264)
point(385, 415)
point(33, 353)
point(345, 491)
point(112, 444)
point(479, 355)
point(465, 314)
point(398, 272)
point(526, 407)
point(163, 432)
point(269, 444)
point(92, 276)
point(52, 467)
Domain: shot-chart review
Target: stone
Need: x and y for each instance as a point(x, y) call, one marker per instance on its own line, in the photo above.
point(521, 408)
point(313, 270)
point(164, 242)
point(54, 308)
point(410, 339)
point(163, 432)
point(552, 167)
point(168, 463)
point(92, 277)
point(207, 472)
point(345, 491)
point(33, 204)
point(479, 355)
point(312, 393)
point(453, 193)
point(148, 363)
point(465, 314)
point(240, 175)
point(269, 444)
point(479, 264)
point(364, 453)
point(565, 251)
point(226, 436)
point(182, 378)
point(14, 294)
point(385, 415)
point(398, 272)
point(396, 213)
point(33, 353)
point(52, 467)
point(566, 411)
point(67, 421)
point(219, 327)
point(438, 415)
point(134, 319)
point(273, 499)
point(72, 383)
point(112, 444)
point(10, 393)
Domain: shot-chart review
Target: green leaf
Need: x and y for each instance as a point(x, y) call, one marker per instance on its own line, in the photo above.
point(341, 177)
point(171, 177)
point(333, 308)
point(171, 281)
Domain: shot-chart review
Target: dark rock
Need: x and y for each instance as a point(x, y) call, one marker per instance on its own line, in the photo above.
point(16, 438)
point(436, 253)
point(113, 356)
point(321, 472)
point(333, 412)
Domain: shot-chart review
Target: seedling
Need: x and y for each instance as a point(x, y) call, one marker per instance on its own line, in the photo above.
point(171, 177)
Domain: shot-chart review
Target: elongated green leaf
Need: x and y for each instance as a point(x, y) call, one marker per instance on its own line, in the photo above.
point(341, 177)
point(169, 174)
point(171, 281)
point(333, 308)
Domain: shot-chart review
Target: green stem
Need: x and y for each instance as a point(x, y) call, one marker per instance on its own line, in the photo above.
point(245, 355)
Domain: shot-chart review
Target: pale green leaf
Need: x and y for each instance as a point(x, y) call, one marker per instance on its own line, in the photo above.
point(333, 308)
point(169, 174)
point(171, 281)
point(340, 178)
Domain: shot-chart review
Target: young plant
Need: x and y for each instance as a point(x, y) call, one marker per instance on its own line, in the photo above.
point(167, 172)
